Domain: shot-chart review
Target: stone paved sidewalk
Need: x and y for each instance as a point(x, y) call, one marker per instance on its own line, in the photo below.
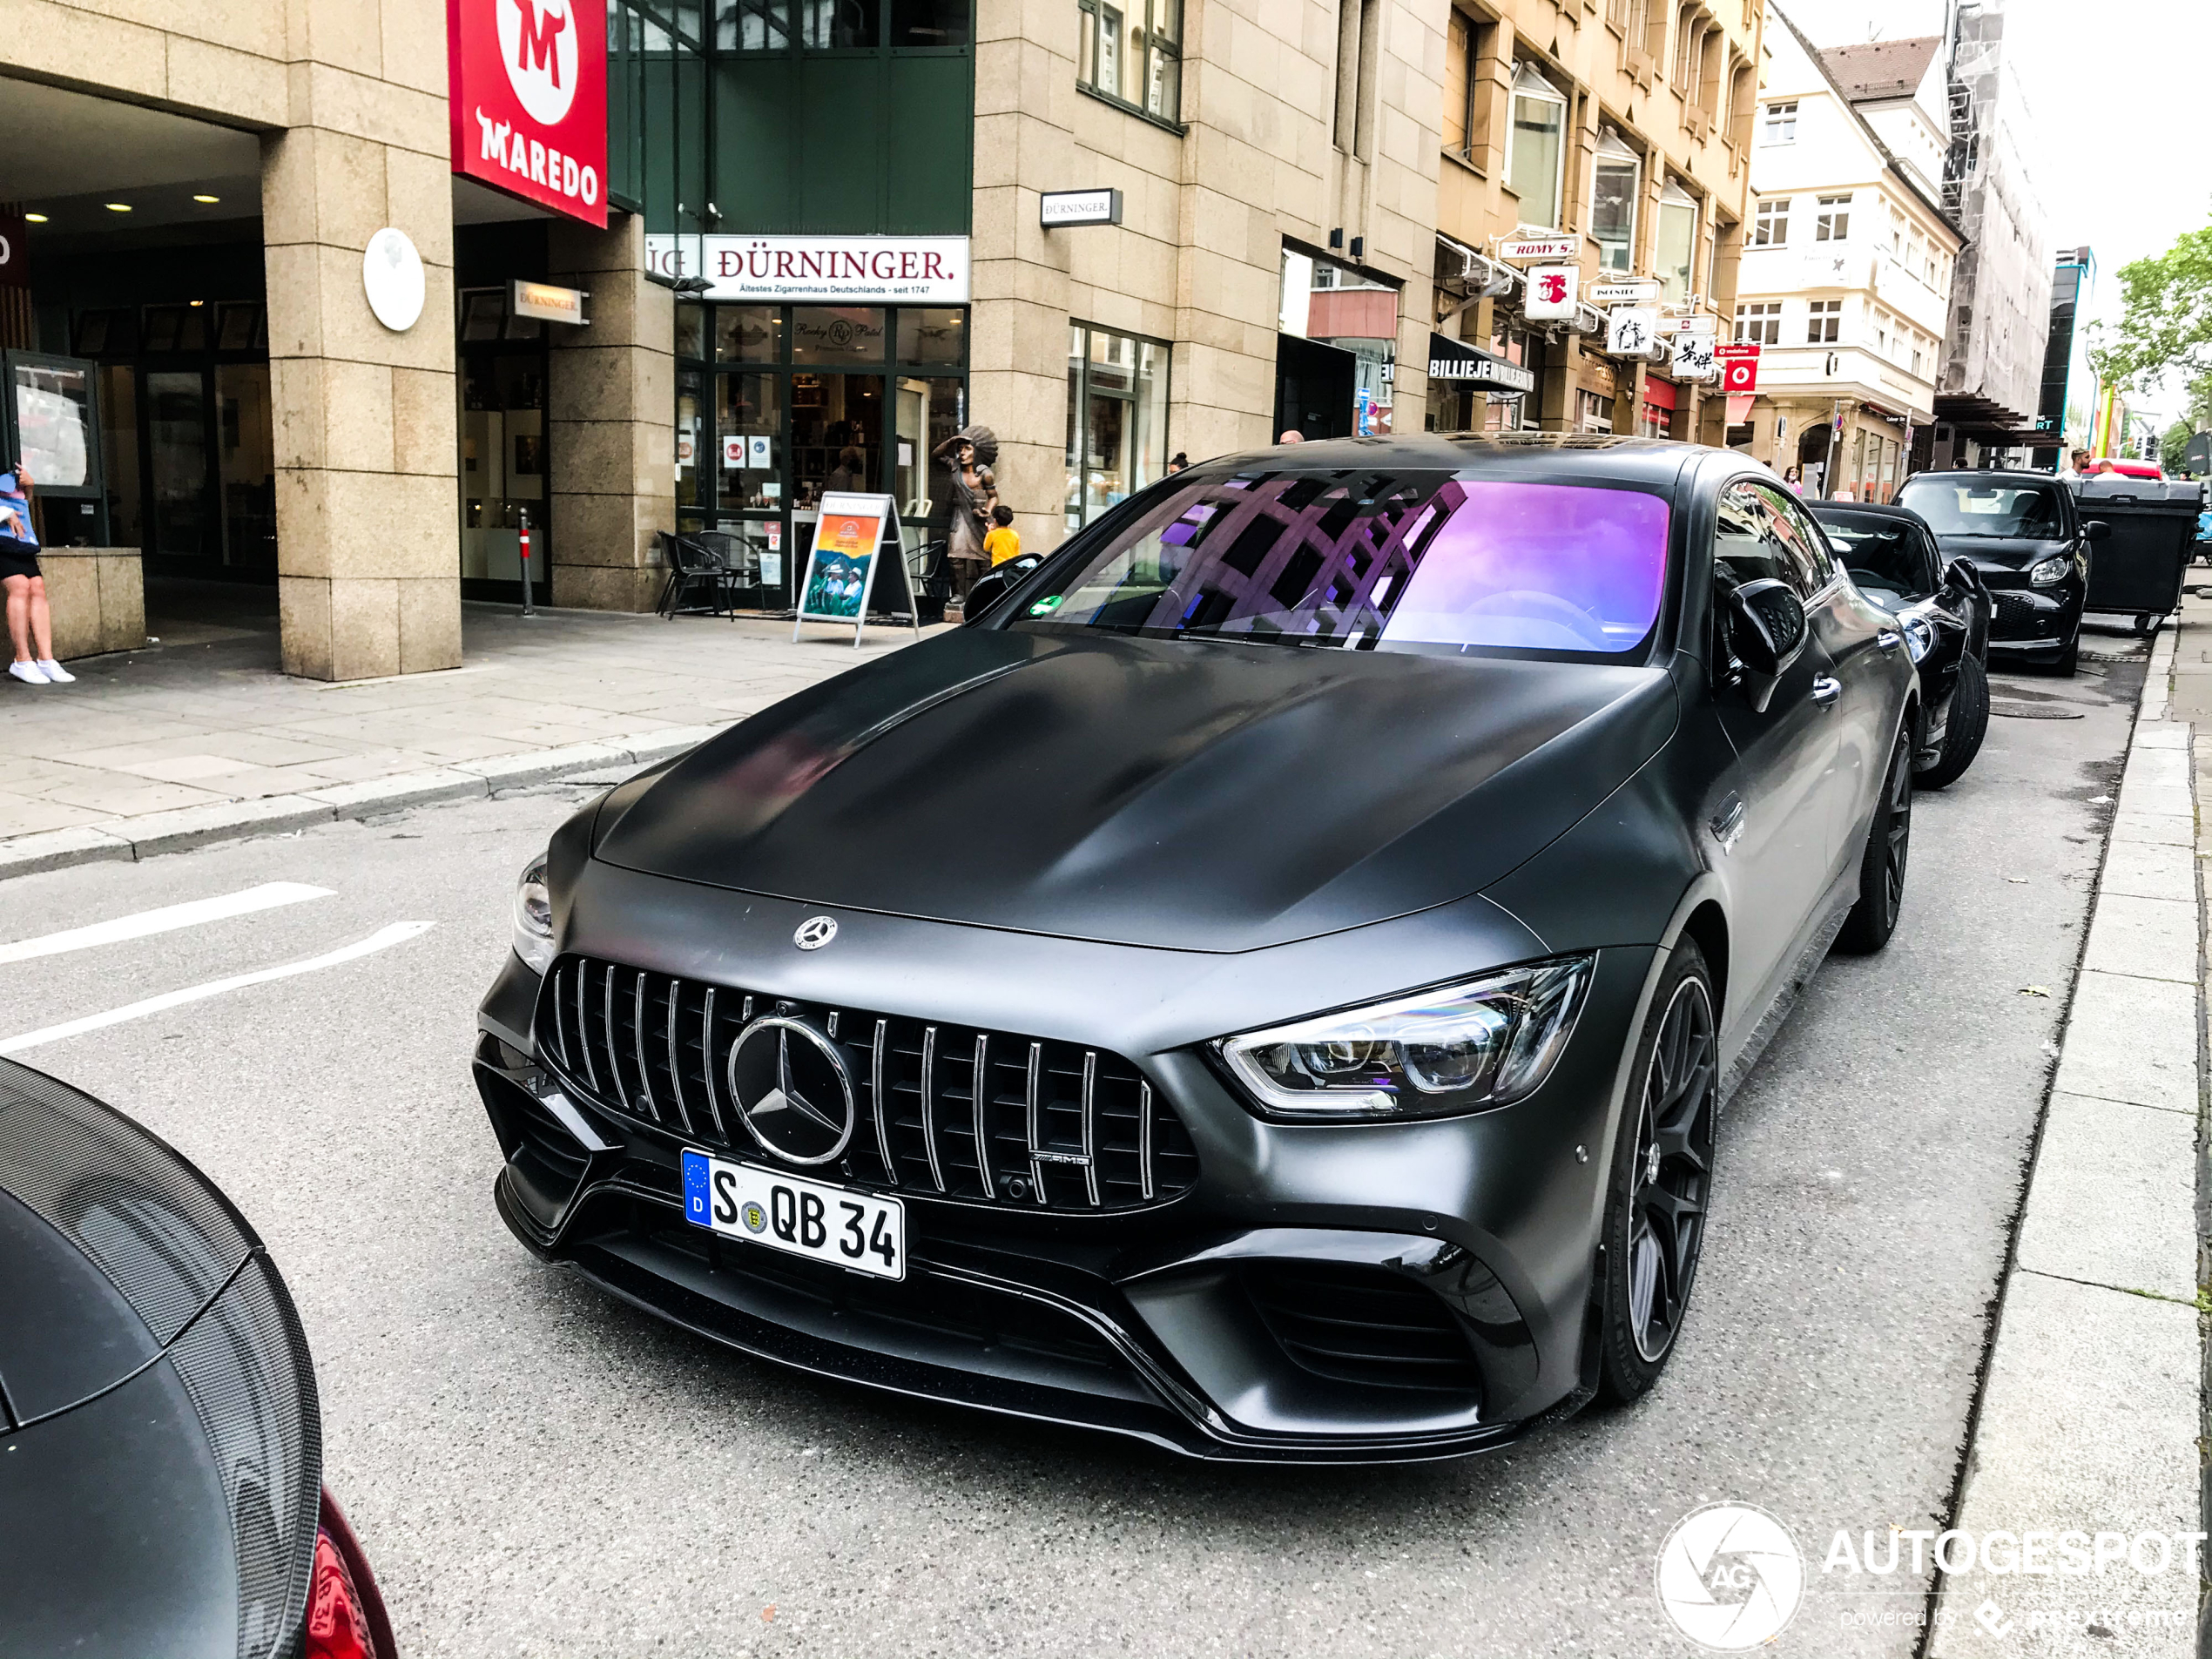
point(204, 737)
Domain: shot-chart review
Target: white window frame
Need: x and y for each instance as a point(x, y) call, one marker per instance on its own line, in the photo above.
point(1771, 223)
point(1530, 83)
point(1778, 122)
point(1831, 218)
point(1759, 321)
point(1674, 198)
point(1613, 151)
point(1825, 322)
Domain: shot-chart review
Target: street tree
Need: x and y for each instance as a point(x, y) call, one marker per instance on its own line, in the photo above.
point(2166, 324)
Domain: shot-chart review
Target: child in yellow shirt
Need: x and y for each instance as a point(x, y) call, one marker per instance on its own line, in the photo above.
point(1004, 541)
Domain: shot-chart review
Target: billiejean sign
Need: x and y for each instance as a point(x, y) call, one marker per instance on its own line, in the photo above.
point(879, 270)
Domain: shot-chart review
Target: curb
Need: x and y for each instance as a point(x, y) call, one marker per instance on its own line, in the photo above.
point(2091, 1407)
point(153, 834)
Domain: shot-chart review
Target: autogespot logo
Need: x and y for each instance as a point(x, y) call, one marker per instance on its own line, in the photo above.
point(1731, 1577)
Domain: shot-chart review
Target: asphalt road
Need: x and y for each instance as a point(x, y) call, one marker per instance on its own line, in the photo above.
point(537, 1470)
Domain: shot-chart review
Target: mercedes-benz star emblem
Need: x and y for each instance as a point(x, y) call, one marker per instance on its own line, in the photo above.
point(815, 932)
point(793, 1089)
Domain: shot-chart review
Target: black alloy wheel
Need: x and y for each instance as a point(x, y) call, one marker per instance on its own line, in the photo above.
point(1661, 1183)
point(1881, 867)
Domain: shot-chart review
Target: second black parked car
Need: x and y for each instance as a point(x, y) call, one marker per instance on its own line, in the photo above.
point(1943, 610)
point(2026, 536)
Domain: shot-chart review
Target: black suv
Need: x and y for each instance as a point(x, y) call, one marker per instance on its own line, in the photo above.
point(2026, 536)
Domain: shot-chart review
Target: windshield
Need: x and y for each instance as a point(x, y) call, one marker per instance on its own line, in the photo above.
point(1368, 559)
point(1882, 555)
point(1960, 507)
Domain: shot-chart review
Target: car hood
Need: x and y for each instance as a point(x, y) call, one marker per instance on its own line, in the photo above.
point(2001, 552)
point(1185, 794)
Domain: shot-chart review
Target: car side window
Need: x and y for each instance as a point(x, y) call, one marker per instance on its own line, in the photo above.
point(1812, 563)
point(1743, 544)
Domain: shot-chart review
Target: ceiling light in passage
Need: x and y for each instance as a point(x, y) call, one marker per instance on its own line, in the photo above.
point(199, 302)
point(117, 207)
point(207, 198)
point(34, 218)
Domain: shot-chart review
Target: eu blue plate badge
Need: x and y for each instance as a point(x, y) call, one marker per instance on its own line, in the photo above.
point(695, 1195)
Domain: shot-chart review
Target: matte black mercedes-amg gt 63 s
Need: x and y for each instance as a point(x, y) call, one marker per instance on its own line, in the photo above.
point(1265, 986)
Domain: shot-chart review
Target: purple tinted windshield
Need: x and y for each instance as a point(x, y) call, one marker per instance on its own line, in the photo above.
point(1364, 559)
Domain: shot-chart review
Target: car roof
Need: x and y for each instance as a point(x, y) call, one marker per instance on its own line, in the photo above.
point(1657, 461)
point(1866, 509)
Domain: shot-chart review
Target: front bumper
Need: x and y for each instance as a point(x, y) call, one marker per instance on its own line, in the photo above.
point(2034, 620)
point(1179, 1324)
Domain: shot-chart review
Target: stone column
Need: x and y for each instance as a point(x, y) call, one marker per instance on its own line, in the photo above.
point(368, 563)
point(612, 421)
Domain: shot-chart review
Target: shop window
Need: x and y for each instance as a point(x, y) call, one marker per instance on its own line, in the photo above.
point(1780, 126)
point(1677, 242)
point(1831, 218)
point(1619, 178)
point(1535, 147)
point(932, 336)
point(837, 334)
point(1131, 53)
point(1760, 322)
point(1593, 413)
point(1117, 418)
point(748, 333)
point(1771, 226)
point(1823, 323)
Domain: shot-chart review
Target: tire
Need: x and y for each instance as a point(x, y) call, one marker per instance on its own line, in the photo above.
point(1662, 1187)
point(2068, 660)
point(1963, 731)
point(1882, 866)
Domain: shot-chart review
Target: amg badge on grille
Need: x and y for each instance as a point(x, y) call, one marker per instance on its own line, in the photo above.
point(815, 932)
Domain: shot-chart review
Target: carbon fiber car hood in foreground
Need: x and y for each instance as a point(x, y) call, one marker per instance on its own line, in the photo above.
point(972, 780)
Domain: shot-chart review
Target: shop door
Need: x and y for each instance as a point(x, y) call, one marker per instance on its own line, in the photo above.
point(177, 519)
point(1313, 387)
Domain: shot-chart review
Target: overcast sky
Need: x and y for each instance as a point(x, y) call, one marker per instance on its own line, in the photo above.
point(2120, 94)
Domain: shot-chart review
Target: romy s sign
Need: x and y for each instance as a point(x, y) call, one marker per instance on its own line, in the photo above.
point(529, 96)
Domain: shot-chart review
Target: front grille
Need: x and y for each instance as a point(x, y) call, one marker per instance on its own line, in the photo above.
point(1362, 1325)
point(2018, 613)
point(983, 1116)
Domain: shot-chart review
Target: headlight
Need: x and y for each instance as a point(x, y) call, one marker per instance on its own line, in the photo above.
point(534, 917)
point(2049, 572)
point(1483, 1042)
point(1919, 636)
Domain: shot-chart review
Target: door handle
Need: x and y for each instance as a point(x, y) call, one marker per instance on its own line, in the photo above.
point(1826, 690)
point(1728, 823)
point(1888, 640)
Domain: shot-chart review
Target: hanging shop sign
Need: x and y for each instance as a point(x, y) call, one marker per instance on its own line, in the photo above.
point(547, 303)
point(1636, 291)
point(527, 88)
point(1541, 247)
point(1554, 292)
point(1056, 208)
point(1455, 360)
point(877, 270)
point(1693, 359)
point(1633, 330)
point(1739, 367)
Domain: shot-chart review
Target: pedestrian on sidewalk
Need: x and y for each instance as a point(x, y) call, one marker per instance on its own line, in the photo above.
point(30, 627)
point(1004, 541)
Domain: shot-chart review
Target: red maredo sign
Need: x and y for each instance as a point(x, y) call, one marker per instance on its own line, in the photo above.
point(1739, 367)
point(527, 85)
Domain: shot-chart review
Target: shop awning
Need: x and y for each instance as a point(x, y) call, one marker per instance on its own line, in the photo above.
point(1455, 360)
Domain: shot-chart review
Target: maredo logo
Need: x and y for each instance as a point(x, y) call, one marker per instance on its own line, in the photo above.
point(538, 43)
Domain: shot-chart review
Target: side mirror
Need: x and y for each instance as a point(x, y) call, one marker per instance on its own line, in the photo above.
point(1766, 629)
point(2096, 529)
point(1961, 576)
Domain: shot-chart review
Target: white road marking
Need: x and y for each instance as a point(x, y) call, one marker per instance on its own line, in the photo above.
point(399, 933)
point(168, 919)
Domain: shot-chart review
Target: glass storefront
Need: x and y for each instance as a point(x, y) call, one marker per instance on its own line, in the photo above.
point(1117, 418)
point(505, 463)
point(776, 404)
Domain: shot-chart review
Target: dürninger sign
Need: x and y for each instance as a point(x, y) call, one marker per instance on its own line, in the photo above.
point(900, 270)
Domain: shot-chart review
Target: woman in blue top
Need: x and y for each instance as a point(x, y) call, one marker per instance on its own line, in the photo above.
point(31, 628)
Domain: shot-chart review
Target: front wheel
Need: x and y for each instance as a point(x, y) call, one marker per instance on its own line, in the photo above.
point(1964, 730)
point(1881, 867)
point(1663, 1179)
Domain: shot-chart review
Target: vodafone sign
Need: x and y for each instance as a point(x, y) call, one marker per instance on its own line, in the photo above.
point(529, 96)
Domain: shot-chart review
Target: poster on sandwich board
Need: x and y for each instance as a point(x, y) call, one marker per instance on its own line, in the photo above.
point(857, 566)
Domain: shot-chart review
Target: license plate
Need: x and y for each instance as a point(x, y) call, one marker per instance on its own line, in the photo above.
point(803, 1217)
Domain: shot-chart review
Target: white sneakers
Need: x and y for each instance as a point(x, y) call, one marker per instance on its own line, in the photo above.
point(55, 673)
point(44, 672)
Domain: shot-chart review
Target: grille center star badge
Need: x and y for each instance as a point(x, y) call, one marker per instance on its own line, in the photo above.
point(815, 932)
point(793, 1089)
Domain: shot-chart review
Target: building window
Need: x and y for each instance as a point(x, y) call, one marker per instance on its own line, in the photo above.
point(1919, 364)
point(1771, 226)
point(1881, 335)
point(1613, 206)
point(1831, 218)
point(1535, 147)
point(1129, 53)
point(1593, 413)
point(1781, 124)
point(1117, 418)
point(1761, 323)
point(1897, 232)
point(1823, 323)
point(1676, 248)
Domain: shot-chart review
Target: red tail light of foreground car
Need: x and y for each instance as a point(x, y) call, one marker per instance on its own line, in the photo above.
point(345, 1617)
